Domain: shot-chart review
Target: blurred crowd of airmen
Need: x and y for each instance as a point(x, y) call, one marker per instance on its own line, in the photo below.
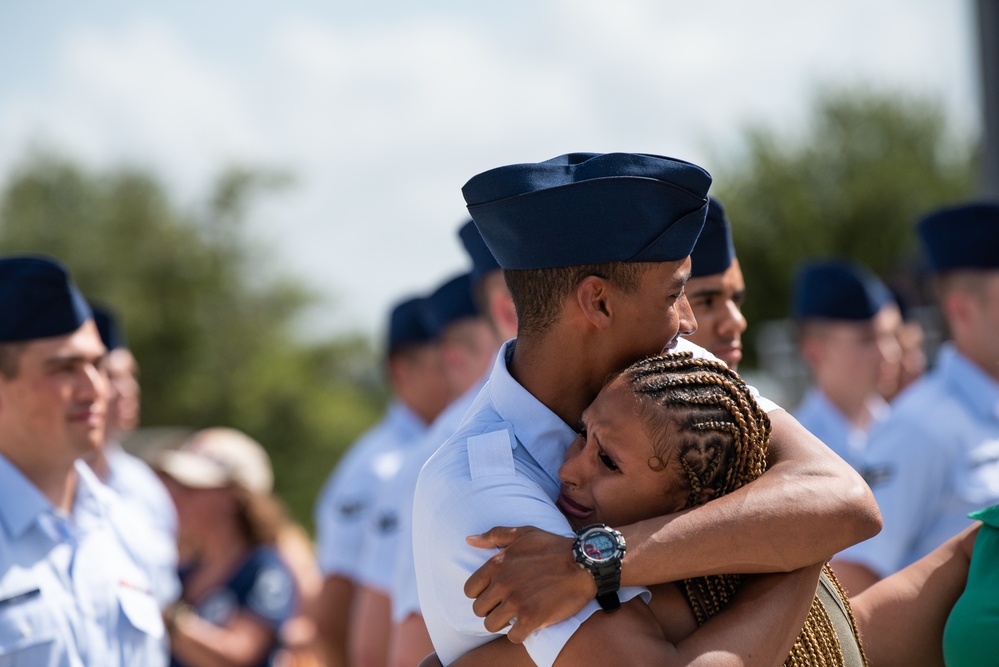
point(90, 571)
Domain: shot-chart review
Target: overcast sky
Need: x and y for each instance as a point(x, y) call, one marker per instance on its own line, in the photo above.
point(383, 109)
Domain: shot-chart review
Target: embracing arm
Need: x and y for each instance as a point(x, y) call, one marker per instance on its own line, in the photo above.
point(758, 627)
point(808, 505)
point(901, 618)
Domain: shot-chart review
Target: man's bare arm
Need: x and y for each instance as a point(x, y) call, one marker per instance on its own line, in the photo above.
point(758, 627)
point(808, 505)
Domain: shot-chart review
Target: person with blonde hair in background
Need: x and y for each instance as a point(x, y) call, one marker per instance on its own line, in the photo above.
point(237, 590)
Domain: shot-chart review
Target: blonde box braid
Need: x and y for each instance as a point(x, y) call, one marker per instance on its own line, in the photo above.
point(722, 438)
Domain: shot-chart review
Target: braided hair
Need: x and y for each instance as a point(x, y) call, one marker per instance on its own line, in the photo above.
point(719, 435)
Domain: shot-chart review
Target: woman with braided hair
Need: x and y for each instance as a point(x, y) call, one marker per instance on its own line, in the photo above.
point(666, 434)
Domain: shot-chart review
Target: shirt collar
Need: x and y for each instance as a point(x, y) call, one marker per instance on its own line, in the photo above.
point(542, 433)
point(979, 391)
point(404, 421)
point(21, 503)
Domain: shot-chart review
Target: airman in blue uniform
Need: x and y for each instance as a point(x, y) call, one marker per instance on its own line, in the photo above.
point(847, 321)
point(936, 458)
point(70, 594)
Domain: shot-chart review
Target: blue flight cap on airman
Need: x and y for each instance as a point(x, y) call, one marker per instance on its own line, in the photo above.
point(483, 262)
point(107, 326)
point(962, 237)
point(714, 251)
point(38, 299)
point(408, 324)
point(838, 290)
point(450, 302)
point(589, 208)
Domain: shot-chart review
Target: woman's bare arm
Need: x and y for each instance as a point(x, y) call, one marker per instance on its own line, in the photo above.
point(901, 618)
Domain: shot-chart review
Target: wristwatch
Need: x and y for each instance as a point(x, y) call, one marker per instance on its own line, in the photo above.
point(599, 549)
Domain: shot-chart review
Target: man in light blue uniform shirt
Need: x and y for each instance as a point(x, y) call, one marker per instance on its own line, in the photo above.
point(469, 366)
point(847, 322)
point(937, 457)
point(595, 250)
point(150, 528)
point(347, 499)
point(716, 289)
point(70, 594)
point(463, 336)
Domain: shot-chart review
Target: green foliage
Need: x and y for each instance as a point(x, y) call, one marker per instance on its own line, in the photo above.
point(869, 165)
point(211, 326)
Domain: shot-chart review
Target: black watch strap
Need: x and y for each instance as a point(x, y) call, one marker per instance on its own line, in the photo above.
point(608, 579)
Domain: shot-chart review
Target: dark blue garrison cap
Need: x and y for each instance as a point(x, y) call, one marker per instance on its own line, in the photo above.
point(38, 299)
point(483, 262)
point(838, 290)
point(962, 237)
point(450, 302)
point(107, 326)
point(408, 324)
point(714, 251)
point(589, 208)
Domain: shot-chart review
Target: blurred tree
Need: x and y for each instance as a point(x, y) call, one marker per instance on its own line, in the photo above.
point(867, 167)
point(209, 321)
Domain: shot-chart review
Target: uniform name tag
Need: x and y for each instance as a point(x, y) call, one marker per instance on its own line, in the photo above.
point(20, 597)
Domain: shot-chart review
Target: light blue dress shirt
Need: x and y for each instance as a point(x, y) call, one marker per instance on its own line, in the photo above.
point(817, 414)
point(348, 497)
point(499, 469)
point(402, 570)
point(934, 460)
point(70, 595)
point(148, 521)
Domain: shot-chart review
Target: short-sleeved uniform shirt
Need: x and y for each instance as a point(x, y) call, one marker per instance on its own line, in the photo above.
point(148, 525)
point(262, 586)
point(499, 469)
point(402, 587)
point(70, 594)
point(347, 500)
point(817, 414)
point(970, 636)
point(931, 463)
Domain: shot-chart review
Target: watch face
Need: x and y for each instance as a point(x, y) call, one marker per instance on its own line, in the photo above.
point(598, 546)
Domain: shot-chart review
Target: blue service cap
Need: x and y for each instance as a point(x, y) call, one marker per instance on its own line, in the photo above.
point(589, 208)
point(714, 251)
point(38, 299)
point(107, 326)
point(962, 237)
point(408, 324)
point(838, 290)
point(450, 302)
point(483, 262)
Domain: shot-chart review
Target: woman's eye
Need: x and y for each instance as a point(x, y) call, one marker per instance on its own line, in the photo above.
point(607, 461)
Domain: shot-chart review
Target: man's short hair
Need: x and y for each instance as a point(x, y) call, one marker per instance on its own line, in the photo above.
point(538, 294)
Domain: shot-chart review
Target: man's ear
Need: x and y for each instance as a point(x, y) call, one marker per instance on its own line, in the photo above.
point(592, 297)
